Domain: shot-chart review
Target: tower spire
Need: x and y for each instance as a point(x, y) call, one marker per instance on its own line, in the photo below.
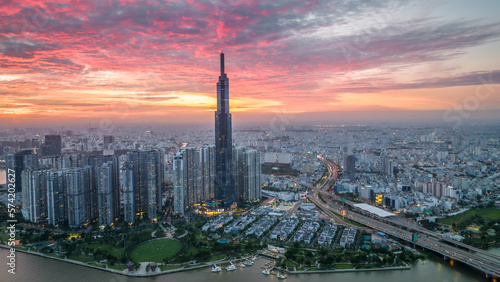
point(222, 63)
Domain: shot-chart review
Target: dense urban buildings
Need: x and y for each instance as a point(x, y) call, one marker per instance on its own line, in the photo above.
point(81, 188)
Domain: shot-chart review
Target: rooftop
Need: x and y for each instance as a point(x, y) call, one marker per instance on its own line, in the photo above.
point(374, 210)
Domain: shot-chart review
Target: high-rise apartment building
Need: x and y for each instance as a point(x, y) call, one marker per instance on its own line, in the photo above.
point(105, 194)
point(144, 172)
point(79, 186)
point(207, 167)
point(56, 197)
point(35, 195)
point(386, 167)
point(252, 188)
point(194, 174)
point(127, 185)
point(178, 168)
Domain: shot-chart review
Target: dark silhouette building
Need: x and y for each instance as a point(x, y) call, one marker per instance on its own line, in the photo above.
point(350, 167)
point(108, 140)
point(225, 190)
point(18, 162)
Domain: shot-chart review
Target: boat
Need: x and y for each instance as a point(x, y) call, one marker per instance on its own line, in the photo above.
point(265, 272)
point(249, 262)
point(242, 265)
point(231, 267)
point(280, 276)
point(216, 268)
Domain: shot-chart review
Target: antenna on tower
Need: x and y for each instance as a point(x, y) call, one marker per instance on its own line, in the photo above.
point(222, 63)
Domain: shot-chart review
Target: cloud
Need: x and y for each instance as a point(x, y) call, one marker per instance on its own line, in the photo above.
point(15, 47)
point(300, 54)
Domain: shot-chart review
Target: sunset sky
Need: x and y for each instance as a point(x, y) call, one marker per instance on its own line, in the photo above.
point(157, 61)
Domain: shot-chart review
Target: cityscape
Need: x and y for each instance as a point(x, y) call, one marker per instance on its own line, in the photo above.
point(377, 157)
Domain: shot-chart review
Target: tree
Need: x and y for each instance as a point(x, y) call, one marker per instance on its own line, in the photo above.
point(291, 253)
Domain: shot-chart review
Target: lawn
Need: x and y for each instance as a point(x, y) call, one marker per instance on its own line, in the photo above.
point(113, 250)
point(491, 213)
point(156, 250)
point(169, 267)
point(79, 257)
point(4, 237)
point(215, 257)
point(343, 266)
point(97, 264)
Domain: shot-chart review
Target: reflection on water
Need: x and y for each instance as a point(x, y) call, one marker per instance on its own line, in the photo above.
point(35, 268)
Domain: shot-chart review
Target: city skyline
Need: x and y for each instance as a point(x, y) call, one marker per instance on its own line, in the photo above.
point(136, 61)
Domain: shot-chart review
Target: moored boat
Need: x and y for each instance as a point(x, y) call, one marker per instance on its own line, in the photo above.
point(216, 268)
point(231, 267)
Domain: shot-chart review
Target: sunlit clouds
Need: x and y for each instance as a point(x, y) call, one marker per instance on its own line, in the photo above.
point(157, 61)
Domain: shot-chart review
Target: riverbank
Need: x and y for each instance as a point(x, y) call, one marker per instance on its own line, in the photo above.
point(143, 273)
point(121, 272)
point(351, 270)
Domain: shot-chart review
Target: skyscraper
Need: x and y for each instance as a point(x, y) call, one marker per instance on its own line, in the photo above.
point(224, 182)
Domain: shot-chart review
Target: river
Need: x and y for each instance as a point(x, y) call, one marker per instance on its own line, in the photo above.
point(35, 268)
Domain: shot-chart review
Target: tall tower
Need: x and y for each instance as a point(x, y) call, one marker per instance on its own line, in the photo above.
point(224, 182)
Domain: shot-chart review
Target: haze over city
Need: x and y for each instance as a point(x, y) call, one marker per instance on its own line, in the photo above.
point(154, 61)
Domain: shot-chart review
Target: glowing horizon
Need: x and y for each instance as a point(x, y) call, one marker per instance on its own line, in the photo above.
point(151, 60)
